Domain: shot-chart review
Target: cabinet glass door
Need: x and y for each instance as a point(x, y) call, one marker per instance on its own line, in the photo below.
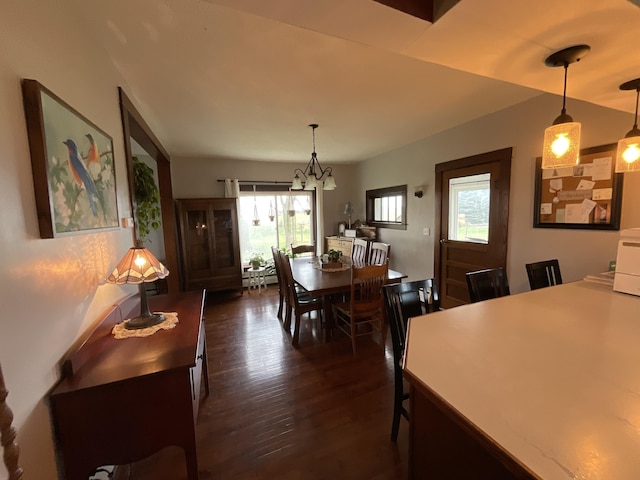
point(198, 240)
point(223, 238)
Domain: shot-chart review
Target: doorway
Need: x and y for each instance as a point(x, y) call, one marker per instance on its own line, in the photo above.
point(137, 132)
point(472, 217)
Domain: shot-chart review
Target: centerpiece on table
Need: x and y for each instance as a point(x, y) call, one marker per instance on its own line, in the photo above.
point(331, 259)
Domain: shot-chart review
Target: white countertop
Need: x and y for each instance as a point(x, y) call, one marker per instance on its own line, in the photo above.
point(551, 375)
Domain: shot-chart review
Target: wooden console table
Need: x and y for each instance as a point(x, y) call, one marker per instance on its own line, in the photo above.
point(120, 401)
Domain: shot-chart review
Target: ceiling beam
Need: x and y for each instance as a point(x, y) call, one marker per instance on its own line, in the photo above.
point(429, 10)
point(418, 8)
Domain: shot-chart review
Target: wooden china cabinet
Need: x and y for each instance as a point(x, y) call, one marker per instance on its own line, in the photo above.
point(209, 244)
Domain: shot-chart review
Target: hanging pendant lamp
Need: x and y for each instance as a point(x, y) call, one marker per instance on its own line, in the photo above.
point(256, 218)
point(272, 215)
point(290, 209)
point(562, 139)
point(628, 156)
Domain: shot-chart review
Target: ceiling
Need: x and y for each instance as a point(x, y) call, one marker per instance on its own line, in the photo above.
point(243, 78)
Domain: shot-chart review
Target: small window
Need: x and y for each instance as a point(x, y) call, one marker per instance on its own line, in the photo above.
point(387, 207)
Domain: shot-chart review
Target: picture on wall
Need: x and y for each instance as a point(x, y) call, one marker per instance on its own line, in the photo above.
point(586, 196)
point(73, 166)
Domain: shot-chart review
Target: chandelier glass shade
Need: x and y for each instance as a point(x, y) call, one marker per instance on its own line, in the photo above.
point(313, 175)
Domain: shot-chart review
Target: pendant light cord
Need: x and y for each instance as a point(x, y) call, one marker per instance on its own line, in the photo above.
point(564, 92)
point(635, 122)
point(313, 133)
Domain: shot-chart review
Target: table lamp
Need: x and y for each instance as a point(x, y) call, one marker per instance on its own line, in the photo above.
point(139, 266)
point(348, 210)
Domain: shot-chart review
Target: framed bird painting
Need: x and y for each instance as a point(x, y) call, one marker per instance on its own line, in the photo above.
point(73, 166)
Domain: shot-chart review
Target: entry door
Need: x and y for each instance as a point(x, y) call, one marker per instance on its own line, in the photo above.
point(472, 215)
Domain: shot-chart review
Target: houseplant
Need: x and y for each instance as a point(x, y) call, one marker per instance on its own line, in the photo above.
point(147, 198)
point(256, 260)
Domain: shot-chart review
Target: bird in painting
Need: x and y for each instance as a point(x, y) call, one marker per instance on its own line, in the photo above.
point(81, 174)
point(93, 155)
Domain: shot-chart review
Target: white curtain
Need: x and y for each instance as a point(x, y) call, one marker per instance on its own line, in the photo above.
point(231, 188)
point(320, 219)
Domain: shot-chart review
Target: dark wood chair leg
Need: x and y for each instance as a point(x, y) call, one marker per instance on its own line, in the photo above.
point(280, 304)
point(397, 406)
point(296, 331)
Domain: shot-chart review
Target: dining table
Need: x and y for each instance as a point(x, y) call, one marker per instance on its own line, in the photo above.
point(327, 284)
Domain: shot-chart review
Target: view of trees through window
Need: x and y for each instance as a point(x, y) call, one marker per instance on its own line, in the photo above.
point(469, 200)
point(292, 222)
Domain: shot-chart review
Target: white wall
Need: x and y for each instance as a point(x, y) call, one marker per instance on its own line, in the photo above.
point(51, 290)
point(198, 177)
point(579, 251)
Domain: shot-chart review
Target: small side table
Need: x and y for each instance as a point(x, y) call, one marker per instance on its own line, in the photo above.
point(257, 279)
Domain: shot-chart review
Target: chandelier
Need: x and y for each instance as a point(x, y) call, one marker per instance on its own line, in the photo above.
point(314, 175)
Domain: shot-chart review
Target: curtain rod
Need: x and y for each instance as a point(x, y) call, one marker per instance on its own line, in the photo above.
point(261, 182)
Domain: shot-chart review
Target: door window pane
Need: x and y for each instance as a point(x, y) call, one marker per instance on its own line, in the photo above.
point(469, 199)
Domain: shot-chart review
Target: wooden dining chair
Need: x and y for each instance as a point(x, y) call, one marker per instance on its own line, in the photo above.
point(402, 302)
point(378, 252)
point(544, 274)
point(298, 302)
point(363, 314)
point(282, 287)
point(486, 284)
point(359, 251)
point(8, 435)
point(299, 250)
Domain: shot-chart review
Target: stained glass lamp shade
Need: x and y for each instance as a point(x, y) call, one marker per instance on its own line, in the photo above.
point(138, 267)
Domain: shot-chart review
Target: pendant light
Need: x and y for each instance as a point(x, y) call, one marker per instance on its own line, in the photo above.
point(314, 175)
point(272, 215)
point(628, 156)
point(290, 209)
point(256, 218)
point(562, 139)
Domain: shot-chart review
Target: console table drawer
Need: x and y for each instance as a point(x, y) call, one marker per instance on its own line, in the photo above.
point(345, 245)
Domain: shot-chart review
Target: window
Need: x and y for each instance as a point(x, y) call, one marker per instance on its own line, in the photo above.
point(293, 220)
point(387, 207)
point(469, 200)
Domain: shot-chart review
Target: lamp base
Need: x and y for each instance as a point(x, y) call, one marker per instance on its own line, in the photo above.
point(144, 321)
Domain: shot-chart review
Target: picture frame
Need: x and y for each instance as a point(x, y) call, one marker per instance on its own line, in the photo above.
point(586, 196)
point(73, 166)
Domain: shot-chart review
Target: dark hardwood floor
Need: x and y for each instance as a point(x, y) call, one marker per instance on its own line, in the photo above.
point(277, 412)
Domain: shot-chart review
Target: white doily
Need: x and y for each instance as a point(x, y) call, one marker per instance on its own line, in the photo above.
point(171, 320)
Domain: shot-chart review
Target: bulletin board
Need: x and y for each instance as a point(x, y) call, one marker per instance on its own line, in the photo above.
point(588, 195)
